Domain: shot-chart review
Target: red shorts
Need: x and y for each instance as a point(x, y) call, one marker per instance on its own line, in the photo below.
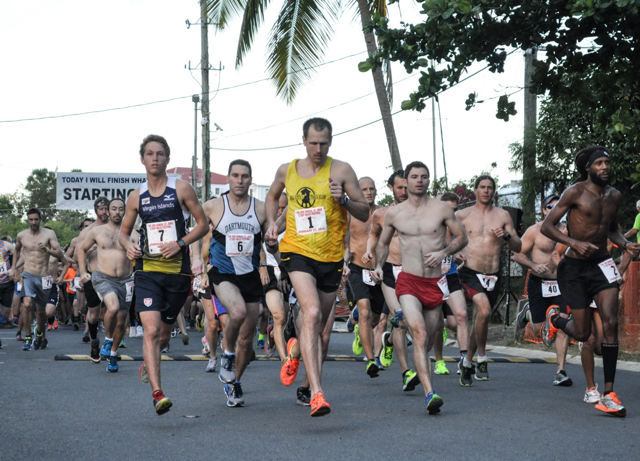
point(425, 289)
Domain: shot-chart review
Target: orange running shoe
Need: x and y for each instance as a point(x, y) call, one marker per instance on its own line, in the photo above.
point(611, 405)
point(319, 406)
point(547, 330)
point(290, 367)
point(55, 324)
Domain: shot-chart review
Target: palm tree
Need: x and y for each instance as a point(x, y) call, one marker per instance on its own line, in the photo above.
point(297, 43)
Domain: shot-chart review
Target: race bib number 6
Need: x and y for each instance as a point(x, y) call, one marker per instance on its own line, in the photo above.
point(311, 221)
point(239, 244)
point(160, 233)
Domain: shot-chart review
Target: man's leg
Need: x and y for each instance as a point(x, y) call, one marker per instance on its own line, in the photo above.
point(279, 311)
point(458, 305)
point(111, 316)
point(589, 349)
point(229, 296)
point(156, 337)
point(325, 338)
point(608, 299)
point(478, 337)
point(245, 338)
point(380, 321)
point(399, 336)
point(365, 328)
point(412, 309)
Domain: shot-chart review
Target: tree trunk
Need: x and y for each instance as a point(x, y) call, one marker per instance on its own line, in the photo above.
point(528, 194)
point(381, 93)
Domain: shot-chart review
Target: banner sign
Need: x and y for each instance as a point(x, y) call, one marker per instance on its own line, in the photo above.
point(78, 191)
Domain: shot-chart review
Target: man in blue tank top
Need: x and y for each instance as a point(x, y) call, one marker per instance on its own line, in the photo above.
point(162, 269)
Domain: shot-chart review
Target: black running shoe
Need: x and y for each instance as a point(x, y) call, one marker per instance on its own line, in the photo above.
point(95, 351)
point(304, 396)
point(562, 379)
point(466, 374)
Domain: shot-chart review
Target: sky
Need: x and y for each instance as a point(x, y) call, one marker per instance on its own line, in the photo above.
point(70, 57)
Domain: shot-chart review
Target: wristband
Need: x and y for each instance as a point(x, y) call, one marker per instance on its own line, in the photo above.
point(343, 201)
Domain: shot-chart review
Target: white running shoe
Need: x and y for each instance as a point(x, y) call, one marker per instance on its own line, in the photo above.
point(140, 331)
point(205, 347)
point(211, 366)
point(592, 395)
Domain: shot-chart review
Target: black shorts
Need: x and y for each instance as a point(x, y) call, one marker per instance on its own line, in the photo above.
point(388, 278)
point(250, 285)
point(472, 286)
point(206, 294)
point(357, 290)
point(159, 292)
point(453, 280)
point(327, 274)
point(538, 304)
point(581, 280)
point(54, 295)
point(273, 279)
point(6, 293)
point(90, 295)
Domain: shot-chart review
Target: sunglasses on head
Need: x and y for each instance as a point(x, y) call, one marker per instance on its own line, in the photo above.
point(548, 207)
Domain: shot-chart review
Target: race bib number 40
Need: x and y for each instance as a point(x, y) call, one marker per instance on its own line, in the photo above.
point(488, 282)
point(311, 221)
point(159, 233)
point(610, 270)
point(239, 244)
point(550, 288)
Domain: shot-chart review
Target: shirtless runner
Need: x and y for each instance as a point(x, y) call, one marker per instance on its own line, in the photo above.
point(421, 223)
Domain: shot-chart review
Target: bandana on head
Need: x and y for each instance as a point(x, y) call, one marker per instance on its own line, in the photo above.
point(595, 156)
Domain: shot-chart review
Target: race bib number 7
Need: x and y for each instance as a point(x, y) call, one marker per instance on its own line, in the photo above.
point(239, 244)
point(159, 233)
point(311, 221)
point(610, 270)
point(488, 282)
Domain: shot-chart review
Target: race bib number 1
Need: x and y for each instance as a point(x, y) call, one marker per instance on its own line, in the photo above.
point(311, 221)
point(129, 286)
point(444, 287)
point(239, 244)
point(488, 282)
point(550, 288)
point(160, 233)
point(610, 270)
point(47, 282)
point(366, 277)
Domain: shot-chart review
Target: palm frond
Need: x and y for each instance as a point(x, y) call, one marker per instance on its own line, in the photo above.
point(251, 21)
point(297, 43)
point(221, 12)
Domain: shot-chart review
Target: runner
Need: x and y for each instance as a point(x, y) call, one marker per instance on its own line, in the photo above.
point(363, 291)
point(587, 271)
point(162, 273)
point(238, 221)
point(489, 228)
point(312, 249)
point(7, 285)
point(112, 280)
point(79, 301)
point(397, 337)
point(34, 244)
point(421, 223)
point(542, 287)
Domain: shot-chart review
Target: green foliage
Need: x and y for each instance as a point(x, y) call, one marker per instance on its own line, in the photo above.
point(385, 200)
point(41, 192)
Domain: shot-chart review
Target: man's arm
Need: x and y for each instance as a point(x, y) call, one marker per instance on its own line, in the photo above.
point(131, 214)
point(16, 257)
point(374, 236)
point(82, 255)
point(615, 234)
point(382, 249)
point(513, 242)
point(528, 240)
point(59, 254)
point(357, 206)
point(634, 230)
point(457, 230)
point(271, 204)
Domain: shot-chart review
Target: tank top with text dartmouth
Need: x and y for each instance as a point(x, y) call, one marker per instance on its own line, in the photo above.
point(316, 224)
point(236, 240)
point(163, 220)
point(5, 263)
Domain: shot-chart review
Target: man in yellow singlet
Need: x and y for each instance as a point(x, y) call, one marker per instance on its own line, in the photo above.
point(321, 191)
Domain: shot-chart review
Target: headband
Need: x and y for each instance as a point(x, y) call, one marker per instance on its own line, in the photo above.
point(549, 199)
point(595, 156)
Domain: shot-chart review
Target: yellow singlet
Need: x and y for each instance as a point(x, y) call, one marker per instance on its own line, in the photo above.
point(316, 224)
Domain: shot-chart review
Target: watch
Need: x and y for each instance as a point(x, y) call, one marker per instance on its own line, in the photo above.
point(181, 243)
point(506, 236)
point(344, 201)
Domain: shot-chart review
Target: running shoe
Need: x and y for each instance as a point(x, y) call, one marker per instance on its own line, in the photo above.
point(433, 402)
point(185, 339)
point(409, 342)
point(350, 325)
point(19, 336)
point(211, 366)
point(199, 323)
point(482, 371)
point(379, 363)
point(303, 396)
point(372, 369)
point(133, 331)
point(386, 357)
point(357, 344)
point(356, 314)
point(227, 372)
point(143, 374)
point(128, 331)
point(44, 344)
point(122, 345)
point(140, 331)
point(166, 349)
point(396, 319)
point(174, 332)
point(55, 324)
point(38, 342)
point(466, 373)
point(610, 404)
point(409, 380)
point(112, 367)
point(290, 367)
point(206, 351)
point(270, 344)
point(441, 368)
point(192, 324)
point(261, 341)
point(548, 331)
point(161, 403)
point(27, 343)
point(319, 406)
point(521, 322)
point(105, 352)
point(49, 327)
point(86, 338)
point(234, 395)
point(562, 379)
point(76, 325)
point(95, 351)
point(591, 395)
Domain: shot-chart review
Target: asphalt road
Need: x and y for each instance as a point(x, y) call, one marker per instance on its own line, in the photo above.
point(76, 410)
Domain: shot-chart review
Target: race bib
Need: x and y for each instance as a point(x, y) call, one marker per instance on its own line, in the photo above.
point(311, 221)
point(366, 277)
point(277, 272)
point(444, 287)
point(159, 233)
point(19, 286)
point(196, 284)
point(550, 288)
point(396, 272)
point(129, 286)
point(47, 282)
point(593, 305)
point(76, 283)
point(239, 244)
point(3, 268)
point(610, 270)
point(446, 264)
point(488, 282)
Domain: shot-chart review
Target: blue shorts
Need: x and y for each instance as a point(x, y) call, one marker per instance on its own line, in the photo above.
point(164, 293)
point(220, 310)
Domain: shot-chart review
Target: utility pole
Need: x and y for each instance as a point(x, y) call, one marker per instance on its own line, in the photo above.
point(433, 119)
point(528, 193)
point(204, 66)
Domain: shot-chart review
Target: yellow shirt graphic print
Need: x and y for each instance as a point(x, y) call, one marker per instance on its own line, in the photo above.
point(316, 224)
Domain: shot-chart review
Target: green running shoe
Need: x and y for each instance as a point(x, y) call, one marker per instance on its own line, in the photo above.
point(409, 380)
point(357, 344)
point(372, 369)
point(386, 357)
point(433, 402)
point(444, 337)
point(441, 368)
